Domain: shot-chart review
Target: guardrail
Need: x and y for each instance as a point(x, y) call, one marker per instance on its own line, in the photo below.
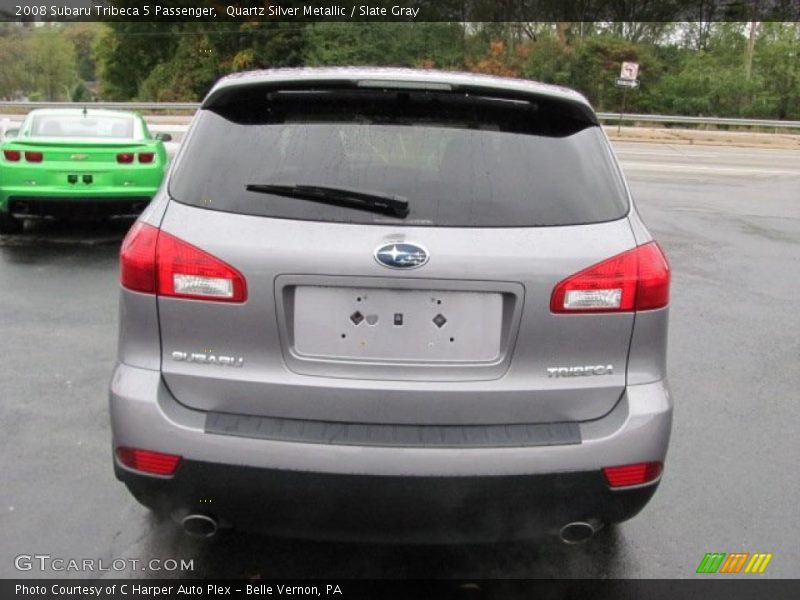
point(765, 123)
point(159, 106)
point(603, 116)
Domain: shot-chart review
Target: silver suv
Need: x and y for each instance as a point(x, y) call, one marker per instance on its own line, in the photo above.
point(392, 304)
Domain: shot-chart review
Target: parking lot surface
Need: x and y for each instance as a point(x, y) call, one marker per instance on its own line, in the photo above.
point(729, 220)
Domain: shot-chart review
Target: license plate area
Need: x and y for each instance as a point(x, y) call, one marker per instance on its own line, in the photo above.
point(392, 325)
point(83, 179)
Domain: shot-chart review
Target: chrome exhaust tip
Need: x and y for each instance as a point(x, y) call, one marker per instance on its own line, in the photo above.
point(576, 532)
point(199, 526)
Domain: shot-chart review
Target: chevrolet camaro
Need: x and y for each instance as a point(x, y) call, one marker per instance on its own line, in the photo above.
point(76, 163)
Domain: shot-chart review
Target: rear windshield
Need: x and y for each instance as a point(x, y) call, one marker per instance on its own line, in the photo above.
point(458, 160)
point(81, 126)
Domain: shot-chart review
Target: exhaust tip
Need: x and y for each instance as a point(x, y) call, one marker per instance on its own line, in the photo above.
point(200, 526)
point(576, 533)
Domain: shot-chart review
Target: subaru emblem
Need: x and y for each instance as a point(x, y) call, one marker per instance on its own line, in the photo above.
point(401, 255)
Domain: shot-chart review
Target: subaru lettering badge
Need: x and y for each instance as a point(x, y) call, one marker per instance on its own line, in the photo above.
point(401, 255)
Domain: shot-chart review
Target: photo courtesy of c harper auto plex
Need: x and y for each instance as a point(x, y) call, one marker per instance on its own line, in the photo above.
point(459, 299)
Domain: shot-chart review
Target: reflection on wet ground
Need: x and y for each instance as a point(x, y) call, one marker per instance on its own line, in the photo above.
point(47, 232)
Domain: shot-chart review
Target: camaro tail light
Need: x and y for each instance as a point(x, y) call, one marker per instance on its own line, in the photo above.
point(634, 280)
point(630, 475)
point(153, 261)
point(34, 157)
point(125, 158)
point(146, 157)
point(12, 155)
point(148, 461)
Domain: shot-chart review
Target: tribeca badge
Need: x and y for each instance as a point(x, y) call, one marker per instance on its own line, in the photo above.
point(716, 562)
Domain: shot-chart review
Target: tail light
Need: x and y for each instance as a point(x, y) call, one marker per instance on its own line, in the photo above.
point(138, 258)
point(630, 475)
point(146, 157)
point(12, 155)
point(34, 157)
point(148, 461)
point(634, 280)
point(188, 272)
point(152, 261)
point(125, 158)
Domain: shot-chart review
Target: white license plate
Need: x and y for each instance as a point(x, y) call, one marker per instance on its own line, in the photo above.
point(416, 326)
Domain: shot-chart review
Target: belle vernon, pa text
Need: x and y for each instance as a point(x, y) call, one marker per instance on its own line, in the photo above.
point(156, 591)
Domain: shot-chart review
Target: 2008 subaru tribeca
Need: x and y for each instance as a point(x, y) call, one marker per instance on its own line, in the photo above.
point(392, 304)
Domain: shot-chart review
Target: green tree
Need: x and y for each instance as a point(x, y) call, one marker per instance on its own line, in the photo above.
point(550, 60)
point(385, 44)
point(126, 53)
point(711, 82)
point(80, 93)
point(49, 64)
point(180, 61)
point(12, 71)
point(186, 76)
point(777, 67)
point(83, 37)
point(258, 45)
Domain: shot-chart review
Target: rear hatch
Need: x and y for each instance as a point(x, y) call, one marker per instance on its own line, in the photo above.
point(351, 311)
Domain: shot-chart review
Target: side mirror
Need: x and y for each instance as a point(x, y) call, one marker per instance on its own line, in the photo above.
point(11, 133)
point(164, 137)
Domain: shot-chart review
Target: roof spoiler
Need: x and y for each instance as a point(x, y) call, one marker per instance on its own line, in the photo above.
point(257, 91)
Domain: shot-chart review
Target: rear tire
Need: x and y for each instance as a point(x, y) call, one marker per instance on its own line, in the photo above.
point(9, 224)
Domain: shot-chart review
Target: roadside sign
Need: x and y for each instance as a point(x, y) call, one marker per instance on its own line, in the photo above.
point(629, 70)
point(627, 83)
point(627, 80)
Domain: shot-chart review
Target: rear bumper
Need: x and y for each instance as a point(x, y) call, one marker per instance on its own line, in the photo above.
point(111, 202)
point(383, 492)
point(379, 508)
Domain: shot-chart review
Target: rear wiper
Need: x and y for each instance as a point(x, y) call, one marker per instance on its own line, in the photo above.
point(396, 206)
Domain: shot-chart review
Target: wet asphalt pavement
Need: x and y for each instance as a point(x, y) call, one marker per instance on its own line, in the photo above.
point(729, 220)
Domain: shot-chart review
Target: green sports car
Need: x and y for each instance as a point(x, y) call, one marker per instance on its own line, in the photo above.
point(78, 163)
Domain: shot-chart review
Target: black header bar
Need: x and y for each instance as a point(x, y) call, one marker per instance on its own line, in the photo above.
point(401, 10)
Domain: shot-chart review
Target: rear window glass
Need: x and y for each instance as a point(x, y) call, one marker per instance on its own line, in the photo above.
point(80, 126)
point(458, 160)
